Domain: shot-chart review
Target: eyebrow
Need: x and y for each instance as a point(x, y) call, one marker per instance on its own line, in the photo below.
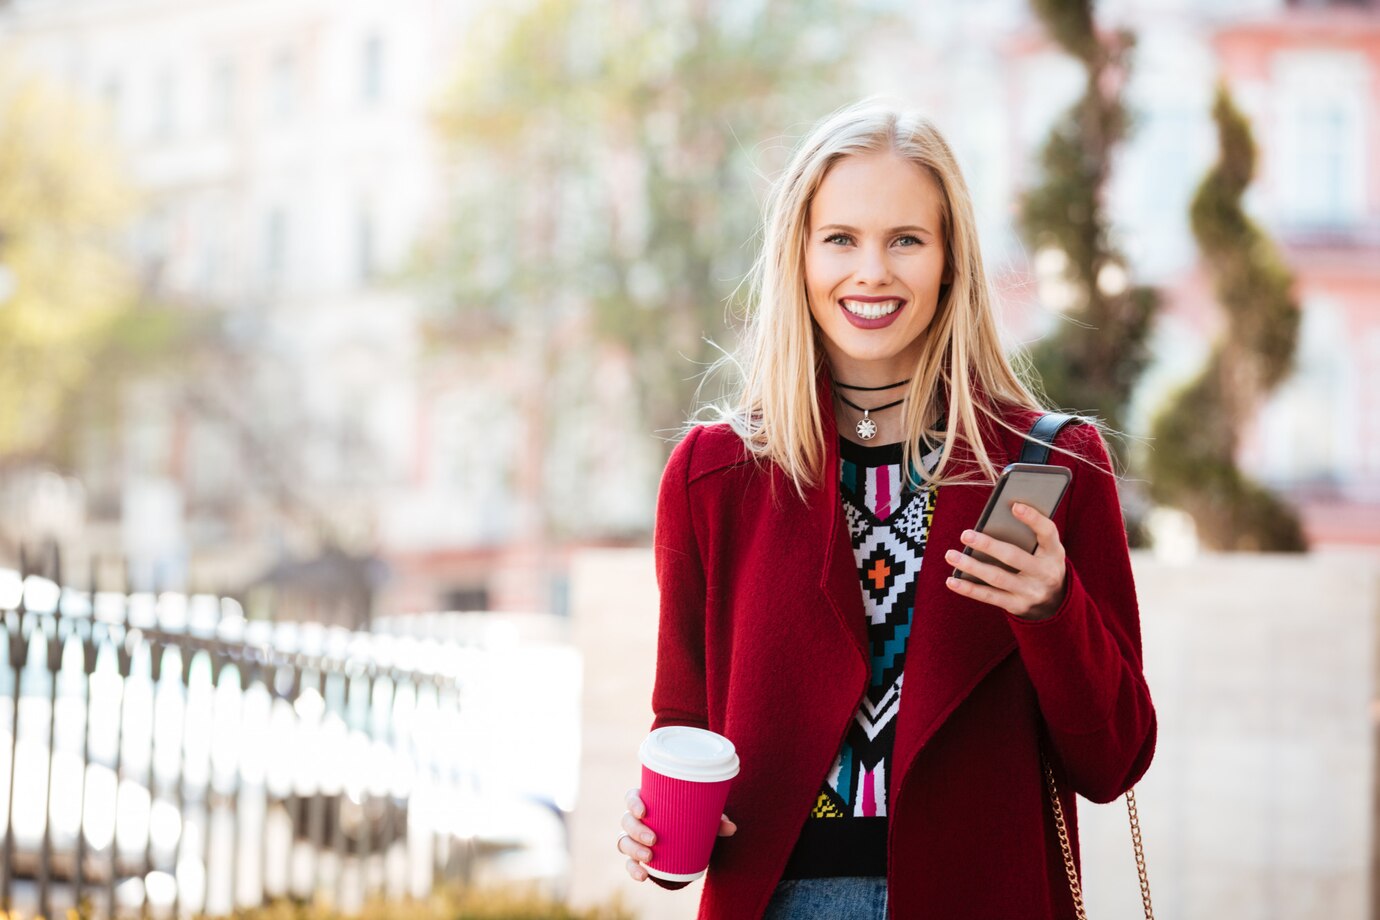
point(848, 229)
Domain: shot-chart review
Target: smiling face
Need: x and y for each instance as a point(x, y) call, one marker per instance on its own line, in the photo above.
point(874, 262)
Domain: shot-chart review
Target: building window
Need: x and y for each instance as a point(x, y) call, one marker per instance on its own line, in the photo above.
point(366, 257)
point(220, 111)
point(165, 106)
point(1321, 143)
point(275, 247)
point(111, 97)
point(1321, 398)
point(211, 240)
point(1324, 134)
point(469, 597)
point(371, 70)
point(282, 86)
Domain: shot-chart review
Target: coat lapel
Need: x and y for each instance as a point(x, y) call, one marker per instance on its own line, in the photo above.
point(839, 582)
point(954, 642)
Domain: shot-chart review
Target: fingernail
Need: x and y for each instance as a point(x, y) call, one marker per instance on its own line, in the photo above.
point(648, 839)
point(645, 855)
point(1018, 508)
point(968, 536)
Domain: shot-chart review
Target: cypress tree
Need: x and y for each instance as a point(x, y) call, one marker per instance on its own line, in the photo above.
point(1192, 464)
point(1092, 362)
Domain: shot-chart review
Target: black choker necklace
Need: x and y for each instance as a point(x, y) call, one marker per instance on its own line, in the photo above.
point(872, 389)
point(867, 429)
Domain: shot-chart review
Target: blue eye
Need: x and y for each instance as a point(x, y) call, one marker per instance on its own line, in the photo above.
point(837, 236)
point(914, 240)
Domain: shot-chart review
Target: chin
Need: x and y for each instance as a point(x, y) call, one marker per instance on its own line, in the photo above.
point(872, 354)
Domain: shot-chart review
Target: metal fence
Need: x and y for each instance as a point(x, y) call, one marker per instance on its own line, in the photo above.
point(162, 755)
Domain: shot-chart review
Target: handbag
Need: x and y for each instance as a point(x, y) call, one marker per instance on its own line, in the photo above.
point(1036, 450)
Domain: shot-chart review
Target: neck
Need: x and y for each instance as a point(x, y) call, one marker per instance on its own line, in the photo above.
point(862, 374)
point(890, 422)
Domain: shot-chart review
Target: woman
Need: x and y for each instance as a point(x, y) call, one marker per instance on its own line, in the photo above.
point(794, 603)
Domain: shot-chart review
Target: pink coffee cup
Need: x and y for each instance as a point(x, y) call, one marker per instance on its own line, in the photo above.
point(686, 773)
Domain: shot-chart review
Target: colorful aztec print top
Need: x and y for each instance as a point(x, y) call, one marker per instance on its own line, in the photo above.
point(846, 832)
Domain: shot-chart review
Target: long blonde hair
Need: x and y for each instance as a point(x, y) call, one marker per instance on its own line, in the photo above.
point(776, 412)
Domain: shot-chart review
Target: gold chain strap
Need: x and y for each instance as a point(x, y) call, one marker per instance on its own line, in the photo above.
point(1075, 887)
point(1140, 854)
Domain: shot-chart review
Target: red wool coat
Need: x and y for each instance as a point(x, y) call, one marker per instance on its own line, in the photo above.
point(762, 638)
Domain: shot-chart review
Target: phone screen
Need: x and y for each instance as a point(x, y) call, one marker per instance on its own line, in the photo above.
point(1041, 486)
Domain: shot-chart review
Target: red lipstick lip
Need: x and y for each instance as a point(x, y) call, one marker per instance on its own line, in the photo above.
point(878, 323)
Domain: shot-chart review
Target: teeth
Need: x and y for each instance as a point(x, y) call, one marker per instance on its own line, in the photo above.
point(872, 310)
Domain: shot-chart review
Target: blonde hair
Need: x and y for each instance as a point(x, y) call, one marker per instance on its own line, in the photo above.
point(776, 412)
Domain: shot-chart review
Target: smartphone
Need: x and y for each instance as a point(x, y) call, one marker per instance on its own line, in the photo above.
point(1039, 485)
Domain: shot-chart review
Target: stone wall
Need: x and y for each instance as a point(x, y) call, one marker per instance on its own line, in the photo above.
point(1261, 799)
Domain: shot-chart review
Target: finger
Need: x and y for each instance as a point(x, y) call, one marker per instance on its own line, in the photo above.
point(637, 829)
point(634, 800)
point(1009, 553)
point(1046, 533)
point(983, 593)
point(726, 827)
point(630, 847)
point(638, 873)
point(994, 575)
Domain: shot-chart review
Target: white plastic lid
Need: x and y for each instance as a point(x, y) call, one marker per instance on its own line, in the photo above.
point(682, 752)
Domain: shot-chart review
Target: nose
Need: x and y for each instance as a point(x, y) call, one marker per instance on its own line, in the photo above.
point(873, 266)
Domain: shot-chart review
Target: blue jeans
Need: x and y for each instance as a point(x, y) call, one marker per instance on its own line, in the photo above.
point(849, 898)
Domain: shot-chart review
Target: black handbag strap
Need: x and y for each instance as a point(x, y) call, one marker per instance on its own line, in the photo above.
point(1044, 431)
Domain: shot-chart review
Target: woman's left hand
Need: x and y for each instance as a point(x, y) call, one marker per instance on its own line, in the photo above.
point(1035, 590)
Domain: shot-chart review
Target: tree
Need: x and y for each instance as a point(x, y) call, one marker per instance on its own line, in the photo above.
point(604, 194)
point(1092, 362)
point(63, 200)
point(1193, 465)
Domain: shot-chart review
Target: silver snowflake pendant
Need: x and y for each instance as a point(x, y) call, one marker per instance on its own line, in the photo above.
point(867, 429)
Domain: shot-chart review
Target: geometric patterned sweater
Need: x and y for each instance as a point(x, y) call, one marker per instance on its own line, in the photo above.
point(846, 831)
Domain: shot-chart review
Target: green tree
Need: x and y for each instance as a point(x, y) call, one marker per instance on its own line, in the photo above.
point(609, 181)
point(1092, 362)
point(66, 291)
point(1193, 463)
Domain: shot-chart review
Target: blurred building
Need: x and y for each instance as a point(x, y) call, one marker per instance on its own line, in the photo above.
point(1307, 75)
point(289, 166)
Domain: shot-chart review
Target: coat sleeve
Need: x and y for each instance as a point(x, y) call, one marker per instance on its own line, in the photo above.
point(1085, 660)
point(678, 695)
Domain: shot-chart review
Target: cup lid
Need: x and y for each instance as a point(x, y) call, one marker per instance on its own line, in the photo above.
point(683, 752)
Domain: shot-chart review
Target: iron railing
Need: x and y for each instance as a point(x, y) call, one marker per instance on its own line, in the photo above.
point(167, 754)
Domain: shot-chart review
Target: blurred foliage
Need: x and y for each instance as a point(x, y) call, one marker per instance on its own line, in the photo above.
point(145, 340)
point(1071, 25)
point(447, 903)
point(1193, 466)
point(68, 294)
point(607, 179)
point(1092, 360)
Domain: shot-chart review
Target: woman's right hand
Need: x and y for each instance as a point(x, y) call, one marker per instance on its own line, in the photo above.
point(637, 838)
